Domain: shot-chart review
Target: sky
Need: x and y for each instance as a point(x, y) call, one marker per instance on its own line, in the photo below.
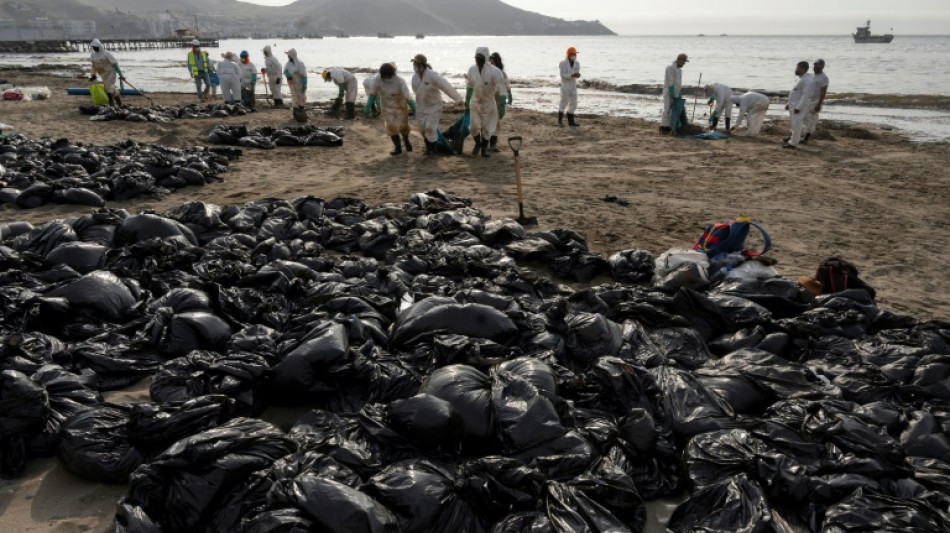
point(744, 17)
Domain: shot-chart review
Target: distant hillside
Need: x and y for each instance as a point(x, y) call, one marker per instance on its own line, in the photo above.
point(230, 18)
point(432, 17)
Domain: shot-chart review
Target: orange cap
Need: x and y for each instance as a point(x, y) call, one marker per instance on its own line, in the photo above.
point(572, 51)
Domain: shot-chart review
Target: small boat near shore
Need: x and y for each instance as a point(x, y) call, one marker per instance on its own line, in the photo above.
point(384, 36)
point(420, 36)
point(864, 35)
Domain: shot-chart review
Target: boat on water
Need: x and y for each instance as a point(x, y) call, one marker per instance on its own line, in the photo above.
point(420, 36)
point(864, 35)
point(342, 36)
point(384, 36)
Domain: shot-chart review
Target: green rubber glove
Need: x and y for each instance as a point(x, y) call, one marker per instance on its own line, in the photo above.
point(468, 97)
point(672, 89)
point(117, 69)
point(287, 74)
point(339, 96)
point(254, 79)
point(412, 106)
point(304, 84)
point(510, 98)
point(711, 99)
point(712, 117)
point(502, 100)
point(368, 108)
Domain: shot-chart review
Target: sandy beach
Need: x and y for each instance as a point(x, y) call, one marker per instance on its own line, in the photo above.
point(864, 194)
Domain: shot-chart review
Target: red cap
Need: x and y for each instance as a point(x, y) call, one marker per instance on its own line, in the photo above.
point(572, 51)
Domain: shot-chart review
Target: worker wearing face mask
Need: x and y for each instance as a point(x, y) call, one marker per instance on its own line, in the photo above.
point(485, 93)
point(248, 79)
point(106, 67)
point(570, 72)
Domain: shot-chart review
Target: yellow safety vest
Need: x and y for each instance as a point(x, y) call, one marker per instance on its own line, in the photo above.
point(194, 64)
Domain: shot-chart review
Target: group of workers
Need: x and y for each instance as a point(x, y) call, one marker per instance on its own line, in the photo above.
point(805, 101)
point(488, 93)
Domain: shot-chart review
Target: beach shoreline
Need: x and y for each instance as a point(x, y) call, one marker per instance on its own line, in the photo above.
point(868, 195)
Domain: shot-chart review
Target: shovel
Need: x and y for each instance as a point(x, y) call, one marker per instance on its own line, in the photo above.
point(136, 89)
point(266, 90)
point(515, 144)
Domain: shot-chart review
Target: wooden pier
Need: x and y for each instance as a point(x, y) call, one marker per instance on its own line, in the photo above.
point(113, 45)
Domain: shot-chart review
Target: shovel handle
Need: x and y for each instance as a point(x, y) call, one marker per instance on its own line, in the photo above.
point(515, 144)
point(518, 177)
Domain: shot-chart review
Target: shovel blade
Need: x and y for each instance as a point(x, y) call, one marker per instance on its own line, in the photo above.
point(527, 221)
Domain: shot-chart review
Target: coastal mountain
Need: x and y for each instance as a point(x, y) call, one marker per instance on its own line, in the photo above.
point(231, 18)
point(433, 17)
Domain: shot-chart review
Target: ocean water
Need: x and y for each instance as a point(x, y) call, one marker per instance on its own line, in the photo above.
point(909, 65)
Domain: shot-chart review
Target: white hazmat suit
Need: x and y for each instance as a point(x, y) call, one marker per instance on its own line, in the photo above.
point(103, 65)
point(721, 94)
point(672, 78)
point(229, 73)
point(296, 73)
point(799, 103)
point(273, 71)
point(345, 78)
point(394, 97)
point(568, 85)
point(754, 106)
point(821, 82)
point(486, 84)
point(429, 88)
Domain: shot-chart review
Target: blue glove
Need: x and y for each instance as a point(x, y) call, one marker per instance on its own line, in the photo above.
point(501, 106)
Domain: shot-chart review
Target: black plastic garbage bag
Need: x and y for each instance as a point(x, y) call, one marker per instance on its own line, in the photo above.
point(341, 438)
point(750, 380)
point(152, 428)
point(524, 417)
point(24, 408)
point(84, 257)
point(870, 511)
point(182, 487)
point(68, 394)
point(469, 392)
point(577, 265)
point(94, 444)
point(430, 422)
point(304, 370)
point(569, 510)
point(178, 334)
point(146, 226)
point(632, 266)
point(101, 292)
point(235, 375)
point(733, 505)
point(435, 315)
point(423, 498)
point(337, 508)
point(590, 336)
point(691, 407)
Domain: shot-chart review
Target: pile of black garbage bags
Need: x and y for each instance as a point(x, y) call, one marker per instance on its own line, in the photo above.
point(38, 172)
point(448, 387)
point(270, 137)
point(163, 113)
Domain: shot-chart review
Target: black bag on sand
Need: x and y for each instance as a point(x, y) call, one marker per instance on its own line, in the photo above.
point(836, 275)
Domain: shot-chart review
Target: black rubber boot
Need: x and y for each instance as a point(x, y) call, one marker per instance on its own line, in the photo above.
point(560, 118)
point(428, 150)
point(278, 103)
point(350, 111)
point(485, 148)
point(715, 124)
point(398, 149)
point(805, 138)
point(111, 99)
point(570, 120)
point(493, 143)
point(728, 125)
point(118, 100)
point(478, 144)
point(405, 140)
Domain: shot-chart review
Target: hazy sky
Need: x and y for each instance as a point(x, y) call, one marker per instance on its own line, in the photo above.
point(689, 17)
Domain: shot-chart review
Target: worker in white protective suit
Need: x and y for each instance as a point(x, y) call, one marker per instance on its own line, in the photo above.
point(485, 93)
point(799, 103)
point(495, 60)
point(396, 101)
point(248, 79)
point(820, 87)
point(721, 95)
point(346, 81)
point(429, 86)
point(272, 73)
point(370, 83)
point(295, 72)
point(106, 67)
point(570, 70)
point(672, 89)
point(754, 106)
point(230, 75)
